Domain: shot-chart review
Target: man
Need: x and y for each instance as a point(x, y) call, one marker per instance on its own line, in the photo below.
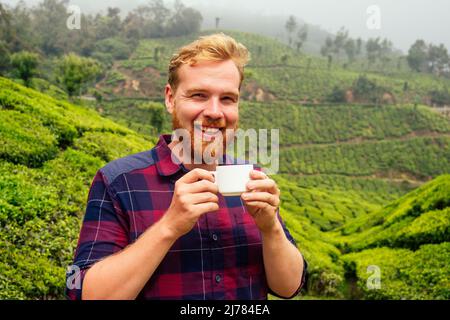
point(157, 228)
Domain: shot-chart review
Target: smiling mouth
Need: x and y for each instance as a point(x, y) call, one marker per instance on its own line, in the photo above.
point(208, 133)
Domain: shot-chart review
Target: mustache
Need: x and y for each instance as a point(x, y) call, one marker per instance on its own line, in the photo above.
point(213, 123)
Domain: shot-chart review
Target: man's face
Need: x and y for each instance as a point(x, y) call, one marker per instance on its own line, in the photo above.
point(205, 102)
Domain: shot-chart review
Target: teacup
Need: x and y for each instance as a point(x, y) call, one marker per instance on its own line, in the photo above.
point(232, 179)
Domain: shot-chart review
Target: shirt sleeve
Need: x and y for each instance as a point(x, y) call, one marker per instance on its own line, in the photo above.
point(305, 264)
point(291, 239)
point(104, 231)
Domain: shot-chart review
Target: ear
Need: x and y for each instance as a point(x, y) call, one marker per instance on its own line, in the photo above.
point(169, 98)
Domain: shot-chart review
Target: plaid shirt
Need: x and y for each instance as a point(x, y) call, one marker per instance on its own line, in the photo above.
point(220, 258)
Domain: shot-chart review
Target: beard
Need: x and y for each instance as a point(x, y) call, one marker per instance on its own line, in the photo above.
point(200, 147)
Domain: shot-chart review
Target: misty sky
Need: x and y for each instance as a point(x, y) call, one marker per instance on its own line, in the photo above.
point(402, 21)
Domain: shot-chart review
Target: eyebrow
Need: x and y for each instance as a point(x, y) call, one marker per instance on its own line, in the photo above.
point(228, 93)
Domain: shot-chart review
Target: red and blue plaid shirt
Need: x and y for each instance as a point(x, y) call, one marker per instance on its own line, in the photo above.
point(220, 258)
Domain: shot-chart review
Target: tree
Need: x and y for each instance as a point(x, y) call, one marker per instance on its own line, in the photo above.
point(365, 89)
point(75, 71)
point(25, 64)
point(184, 20)
point(291, 25)
point(418, 56)
point(438, 59)
point(338, 95)
point(49, 24)
point(373, 49)
point(157, 112)
point(5, 36)
point(4, 57)
point(5, 22)
point(108, 26)
point(340, 40)
point(302, 35)
point(350, 49)
point(217, 22)
point(147, 21)
point(358, 46)
point(327, 50)
point(15, 28)
point(385, 52)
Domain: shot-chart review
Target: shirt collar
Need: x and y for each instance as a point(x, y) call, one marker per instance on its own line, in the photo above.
point(164, 163)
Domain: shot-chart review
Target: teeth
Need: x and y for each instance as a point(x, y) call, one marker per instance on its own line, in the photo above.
point(210, 130)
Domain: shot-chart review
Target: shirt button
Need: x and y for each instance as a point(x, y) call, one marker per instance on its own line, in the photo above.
point(218, 278)
point(214, 236)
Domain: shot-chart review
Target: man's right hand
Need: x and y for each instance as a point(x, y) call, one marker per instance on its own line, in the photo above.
point(194, 195)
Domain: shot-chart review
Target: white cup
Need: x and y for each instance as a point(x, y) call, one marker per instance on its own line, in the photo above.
point(232, 179)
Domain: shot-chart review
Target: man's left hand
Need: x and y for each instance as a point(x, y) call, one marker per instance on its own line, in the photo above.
point(262, 200)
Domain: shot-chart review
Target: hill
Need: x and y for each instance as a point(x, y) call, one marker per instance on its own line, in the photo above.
point(408, 241)
point(276, 72)
point(348, 171)
point(49, 152)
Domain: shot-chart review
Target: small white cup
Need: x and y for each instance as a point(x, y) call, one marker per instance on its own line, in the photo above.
point(232, 179)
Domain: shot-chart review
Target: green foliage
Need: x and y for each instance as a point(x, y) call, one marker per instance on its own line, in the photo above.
point(300, 78)
point(419, 217)
point(76, 71)
point(367, 90)
point(341, 165)
point(423, 274)
point(430, 58)
point(5, 59)
point(430, 158)
point(50, 150)
point(440, 97)
point(24, 140)
point(147, 118)
point(303, 126)
point(114, 46)
point(337, 95)
point(24, 64)
point(108, 146)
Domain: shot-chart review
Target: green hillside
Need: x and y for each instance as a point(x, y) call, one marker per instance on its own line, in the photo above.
point(49, 152)
point(276, 72)
point(407, 240)
point(52, 149)
point(410, 245)
point(362, 183)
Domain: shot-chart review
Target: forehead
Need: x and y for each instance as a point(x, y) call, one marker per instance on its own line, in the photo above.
point(210, 75)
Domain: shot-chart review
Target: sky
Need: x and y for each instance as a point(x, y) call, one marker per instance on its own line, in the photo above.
point(402, 21)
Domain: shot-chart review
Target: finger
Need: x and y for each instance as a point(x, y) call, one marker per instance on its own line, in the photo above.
point(266, 185)
point(261, 196)
point(257, 175)
point(197, 174)
point(206, 207)
point(258, 204)
point(201, 186)
point(203, 197)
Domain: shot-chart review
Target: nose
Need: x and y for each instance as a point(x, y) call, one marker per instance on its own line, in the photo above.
point(213, 109)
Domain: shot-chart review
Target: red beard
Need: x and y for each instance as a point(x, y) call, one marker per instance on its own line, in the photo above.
point(198, 145)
